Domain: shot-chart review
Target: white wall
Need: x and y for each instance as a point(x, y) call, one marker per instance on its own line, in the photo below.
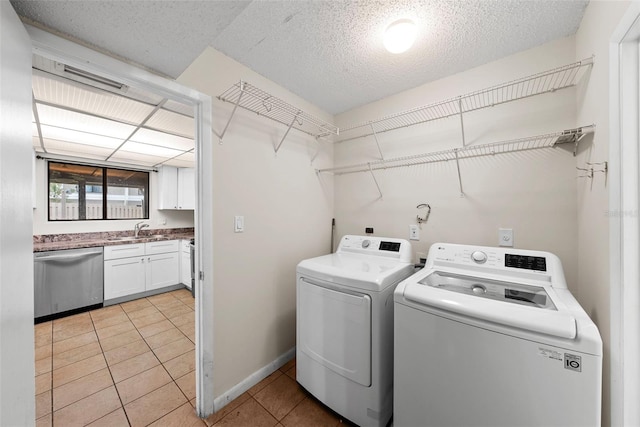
point(592, 287)
point(287, 210)
point(532, 192)
point(17, 384)
point(171, 219)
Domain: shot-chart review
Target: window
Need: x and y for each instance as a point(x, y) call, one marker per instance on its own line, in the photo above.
point(77, 193)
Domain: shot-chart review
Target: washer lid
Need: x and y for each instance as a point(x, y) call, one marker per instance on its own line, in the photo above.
point(464, 295)
point(497, 290)
point(359, 271)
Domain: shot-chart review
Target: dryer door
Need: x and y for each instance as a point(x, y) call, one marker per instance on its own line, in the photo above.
point(335, 329)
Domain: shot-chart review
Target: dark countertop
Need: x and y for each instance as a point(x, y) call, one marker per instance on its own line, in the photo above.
point(91, 240)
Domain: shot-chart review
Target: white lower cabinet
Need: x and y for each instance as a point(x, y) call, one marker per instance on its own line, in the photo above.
point(123, 277)
point(162, 270)
point(136, 268)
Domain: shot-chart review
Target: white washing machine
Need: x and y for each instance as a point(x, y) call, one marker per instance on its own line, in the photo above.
point(493, 337)
point(344, 352)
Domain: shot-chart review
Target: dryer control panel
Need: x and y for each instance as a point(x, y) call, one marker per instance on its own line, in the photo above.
point(399, 249)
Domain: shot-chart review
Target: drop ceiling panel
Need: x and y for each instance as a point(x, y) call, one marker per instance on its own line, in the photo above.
point(61, 118)
point(77, 150)
point(179, 107)
point(172, 122)
point(76, 137)
point(153, 150)
point(136, 158)
point(185, 160)
point(189, 157)
point(149, 136)
point(52, 90)
point(179, 163)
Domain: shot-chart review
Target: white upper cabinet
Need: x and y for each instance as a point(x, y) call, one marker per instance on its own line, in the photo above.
point(186, 188)
point(176, 188)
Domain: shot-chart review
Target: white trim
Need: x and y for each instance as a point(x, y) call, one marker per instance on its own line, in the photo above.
point(253, 379)
point(56, 48)
point(624, 237)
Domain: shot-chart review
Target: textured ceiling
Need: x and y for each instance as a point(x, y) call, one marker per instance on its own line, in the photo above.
point(328, 52)
point(164, 36)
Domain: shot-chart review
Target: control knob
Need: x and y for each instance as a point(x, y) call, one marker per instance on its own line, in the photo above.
point(366, 243)
point(478, 289)
point(479, 257)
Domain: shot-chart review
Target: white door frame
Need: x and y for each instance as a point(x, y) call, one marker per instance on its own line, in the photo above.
point(65, 51)
point(624, 56)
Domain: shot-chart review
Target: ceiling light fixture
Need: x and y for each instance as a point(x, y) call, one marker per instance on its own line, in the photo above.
point(400, 35)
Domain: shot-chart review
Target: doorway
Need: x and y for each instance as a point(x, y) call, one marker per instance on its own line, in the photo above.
point(63, 51)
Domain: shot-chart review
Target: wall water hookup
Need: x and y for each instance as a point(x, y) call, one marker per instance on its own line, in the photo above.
point(426, 216)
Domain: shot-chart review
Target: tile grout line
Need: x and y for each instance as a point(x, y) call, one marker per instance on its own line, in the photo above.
point(52, 369)
point(163, 367)
point(272, 414)
point(51, 396)
point(108, 366)
point(171, 376)
point(110, 373)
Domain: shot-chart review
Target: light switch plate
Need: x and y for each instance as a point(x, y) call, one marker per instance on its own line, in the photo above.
point(238, 224)
point(505, 237)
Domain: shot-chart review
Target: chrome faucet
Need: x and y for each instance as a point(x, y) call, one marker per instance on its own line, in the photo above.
point(138, 227)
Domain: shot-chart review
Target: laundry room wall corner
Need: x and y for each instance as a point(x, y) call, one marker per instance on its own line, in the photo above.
point(287, 209)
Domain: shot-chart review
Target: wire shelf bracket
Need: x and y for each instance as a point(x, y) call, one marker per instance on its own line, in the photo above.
point(536, 84)
point(256, 100)
point(373, 175)
point(551, 140)
point(455, 151)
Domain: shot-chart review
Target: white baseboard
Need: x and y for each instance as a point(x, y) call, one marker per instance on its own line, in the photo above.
point(253, 379)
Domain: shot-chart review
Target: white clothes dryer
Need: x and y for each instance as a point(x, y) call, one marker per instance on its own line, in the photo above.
point(492, 337)
point(344, 352)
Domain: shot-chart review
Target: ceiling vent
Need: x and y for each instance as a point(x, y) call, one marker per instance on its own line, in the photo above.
point(77, 75)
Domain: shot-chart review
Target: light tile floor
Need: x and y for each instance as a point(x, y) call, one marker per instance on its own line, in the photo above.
point(133, 364)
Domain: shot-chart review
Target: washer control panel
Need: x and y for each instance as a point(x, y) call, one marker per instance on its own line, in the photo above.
point(500, 258)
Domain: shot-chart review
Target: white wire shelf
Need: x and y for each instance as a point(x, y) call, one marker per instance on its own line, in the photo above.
point(536, 84)
point(550, 140)
point(523, 144)
point(251, 98)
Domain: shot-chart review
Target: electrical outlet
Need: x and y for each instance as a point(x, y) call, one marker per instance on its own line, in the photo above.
point(414, 233)
point(505, 237)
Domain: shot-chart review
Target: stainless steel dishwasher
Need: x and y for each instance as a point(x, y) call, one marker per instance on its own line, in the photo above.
point(68, 280)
